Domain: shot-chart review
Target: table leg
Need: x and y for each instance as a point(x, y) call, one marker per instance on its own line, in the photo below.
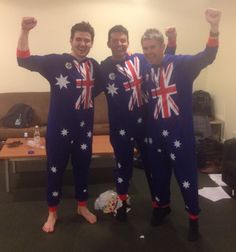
point(13, 166)
point(7, 176)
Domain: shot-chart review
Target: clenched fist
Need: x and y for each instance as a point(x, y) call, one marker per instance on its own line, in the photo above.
point(28, 23)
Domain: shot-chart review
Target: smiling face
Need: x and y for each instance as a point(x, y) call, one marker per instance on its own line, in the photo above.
point(153, 50)
point(118, 43)
point(81, 43)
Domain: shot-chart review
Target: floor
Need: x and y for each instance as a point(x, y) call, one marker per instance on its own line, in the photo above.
point(23, 210)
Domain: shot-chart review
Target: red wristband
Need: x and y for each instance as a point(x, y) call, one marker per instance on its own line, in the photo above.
point(22, 54)
point(213, 42)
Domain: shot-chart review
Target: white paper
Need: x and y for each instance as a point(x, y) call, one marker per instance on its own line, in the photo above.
point(217, 178)
point(213, 193)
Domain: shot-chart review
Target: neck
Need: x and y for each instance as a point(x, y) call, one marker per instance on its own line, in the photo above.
point(78, 58)
point(158, 61)
point(117, 58)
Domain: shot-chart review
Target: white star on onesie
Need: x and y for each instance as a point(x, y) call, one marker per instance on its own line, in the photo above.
point(89, 134)
point(165, 133)
point(55, 194)
point(62, 81)
point(172, 156)
point(186, 184)
point(122, 132)
point(82, 123)
point(157, 199)
point(177, 143)
point(64, 132)
point(111, 89)
point(120, 180)
point(140, 120)
point(83, 146)
point(53, 169)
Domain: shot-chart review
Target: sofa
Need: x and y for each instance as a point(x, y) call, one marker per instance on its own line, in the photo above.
point(39, 101)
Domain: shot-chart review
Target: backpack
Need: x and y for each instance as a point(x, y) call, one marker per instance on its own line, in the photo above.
point(19, 116)
point(202, 103)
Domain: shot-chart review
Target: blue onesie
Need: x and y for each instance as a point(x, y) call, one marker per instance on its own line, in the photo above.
point(123, 87)
point(70, 118)
point(171, 141)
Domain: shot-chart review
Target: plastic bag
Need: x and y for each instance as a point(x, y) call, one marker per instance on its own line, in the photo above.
point(109, 202)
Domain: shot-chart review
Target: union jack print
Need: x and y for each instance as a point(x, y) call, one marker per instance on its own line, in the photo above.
point(132, 72)
point(86, 83)
point(163, 93)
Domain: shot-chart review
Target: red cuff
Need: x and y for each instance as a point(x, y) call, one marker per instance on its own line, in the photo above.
point(82, 203)
point(52, 209)
point(123, 197)
point(213, 42)
point(22, 54)
point(154, 204)
point(193, 217)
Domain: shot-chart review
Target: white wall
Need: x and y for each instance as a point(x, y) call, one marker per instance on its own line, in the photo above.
point(56, 17)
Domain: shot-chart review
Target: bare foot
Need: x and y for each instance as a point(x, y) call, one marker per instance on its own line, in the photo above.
point(90, 217)
point(49, 225)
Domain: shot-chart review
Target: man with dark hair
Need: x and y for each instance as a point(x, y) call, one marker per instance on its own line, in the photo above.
point(171, 144)
point(82, 27)
point(73, 78)
point(122, 74)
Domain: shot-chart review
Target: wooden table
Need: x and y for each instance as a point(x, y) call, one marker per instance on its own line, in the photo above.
point(101, 146)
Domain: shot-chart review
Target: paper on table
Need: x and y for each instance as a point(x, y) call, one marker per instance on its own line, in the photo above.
point(218, 179)
point(213, 193)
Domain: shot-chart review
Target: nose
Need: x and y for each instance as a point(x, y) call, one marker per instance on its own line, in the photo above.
point(82, 42)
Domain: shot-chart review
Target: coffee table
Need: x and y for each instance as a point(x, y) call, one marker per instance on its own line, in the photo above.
point(101, 146)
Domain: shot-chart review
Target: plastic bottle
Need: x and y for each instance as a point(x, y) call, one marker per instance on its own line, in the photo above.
point(26, 137)
point(28, 147)
point(37, 136)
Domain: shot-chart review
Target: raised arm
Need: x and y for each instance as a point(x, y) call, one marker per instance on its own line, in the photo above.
point(213, 17)
point(27, 24)
point(171, 35)
point(195, 63)
point(35, 63)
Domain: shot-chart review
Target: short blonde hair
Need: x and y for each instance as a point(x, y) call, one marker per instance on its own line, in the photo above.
point(153, 34)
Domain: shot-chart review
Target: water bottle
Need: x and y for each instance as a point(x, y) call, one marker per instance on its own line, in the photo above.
point(27, 144)
point(26, 138)
point(37, 136)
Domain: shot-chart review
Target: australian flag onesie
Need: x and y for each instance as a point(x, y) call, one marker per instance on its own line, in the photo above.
point(123, 87)
point(70, 118)
point(171, 140)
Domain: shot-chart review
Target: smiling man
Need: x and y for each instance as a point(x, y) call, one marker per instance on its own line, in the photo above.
point(123, 84)
point(72, 78)
point(169, 83)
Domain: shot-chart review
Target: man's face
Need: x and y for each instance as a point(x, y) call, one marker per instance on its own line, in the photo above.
point(81, 43)
point(153, 51)
point(118, 43)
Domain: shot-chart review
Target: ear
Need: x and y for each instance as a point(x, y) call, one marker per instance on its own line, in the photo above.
point(108, 44)
point(163, 46)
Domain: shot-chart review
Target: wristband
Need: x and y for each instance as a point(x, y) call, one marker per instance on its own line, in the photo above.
point(214, 34)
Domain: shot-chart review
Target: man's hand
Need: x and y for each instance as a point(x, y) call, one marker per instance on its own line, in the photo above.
point(213, 17)
point(171, 33)
point(28, 23)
